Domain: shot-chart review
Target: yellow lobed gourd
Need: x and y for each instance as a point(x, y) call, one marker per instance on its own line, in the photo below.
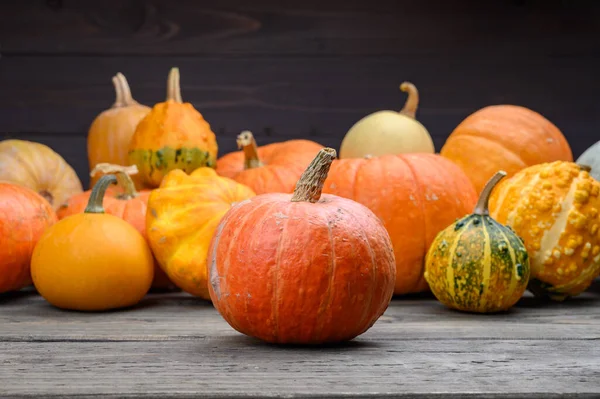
point(477, 264)
point(389, 132)
point(554, 208)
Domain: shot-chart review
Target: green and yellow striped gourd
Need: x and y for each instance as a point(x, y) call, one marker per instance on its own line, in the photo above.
point(477, 264)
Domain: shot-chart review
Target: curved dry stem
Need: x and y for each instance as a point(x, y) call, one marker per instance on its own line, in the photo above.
point(245, 141)
point(122, 173)
point(94, 204)
point(118, 93)
point(173, 87)
point(482, 208)
point(125, 90)
point(310, 184)
point(412, 101)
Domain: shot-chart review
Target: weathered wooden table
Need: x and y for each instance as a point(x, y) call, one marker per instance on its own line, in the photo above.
point(173, 345)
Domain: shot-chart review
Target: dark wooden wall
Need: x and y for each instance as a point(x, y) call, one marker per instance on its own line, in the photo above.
point(288, 69)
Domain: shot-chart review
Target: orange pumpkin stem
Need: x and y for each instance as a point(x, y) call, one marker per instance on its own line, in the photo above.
point(481, 208)
point(123, 92)
point(94, 204)
point(310, 185)
point(173, 87)
point(122, 173)
point(412, 102)
point(245, 141)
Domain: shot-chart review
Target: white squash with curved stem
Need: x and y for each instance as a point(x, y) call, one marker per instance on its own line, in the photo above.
point(389, 132)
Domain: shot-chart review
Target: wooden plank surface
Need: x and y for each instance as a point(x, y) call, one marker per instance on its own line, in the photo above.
point(174, 345)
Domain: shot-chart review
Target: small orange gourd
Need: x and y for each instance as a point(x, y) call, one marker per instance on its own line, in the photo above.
point(174, 135)
point(92, 261)
point(110, 133)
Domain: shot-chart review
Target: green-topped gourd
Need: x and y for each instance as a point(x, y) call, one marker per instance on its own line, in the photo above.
point(477, 264)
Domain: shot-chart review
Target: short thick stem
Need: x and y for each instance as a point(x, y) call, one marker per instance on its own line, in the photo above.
point(94, 204)
point(246, 142)
point(587, 168)
point(173, 87)
point(123, 91)
point(412, 102)
point(310, 184)
point(123, 177)
point(482, 207)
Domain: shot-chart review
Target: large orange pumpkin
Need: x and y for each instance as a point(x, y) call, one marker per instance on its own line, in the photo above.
point(24, 217)
point(415, 195)
point(272, 168)
point(555, 208)
point(110, 133)
point(504, 137)
point(174, 135)
point(92, 261)
point(123, 201)
point(38, 167)
point(303, 268)
point(183, 215)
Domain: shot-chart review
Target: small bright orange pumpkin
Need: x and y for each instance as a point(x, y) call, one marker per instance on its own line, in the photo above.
point(123, 201)
point(110, 133)
point(38, 167)
point(92, 261)
point(182, 216)
point(301, 268)
point(272, 168)
point(555, 208)
point(504, 137)
point(24, 216)
point(174, 135)
point(415, 195)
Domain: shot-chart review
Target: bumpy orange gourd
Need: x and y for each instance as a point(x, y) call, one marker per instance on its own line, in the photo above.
point(554, 208)
point(110, 133)
point(24, 216)
point(174, 135)
point(92, 261)
point(301, 268)
point(504, 137)
point(272, 168)
point(415, 195)
point(182, 216)
point(123, 201)
point(389, 132)
point(38, 167)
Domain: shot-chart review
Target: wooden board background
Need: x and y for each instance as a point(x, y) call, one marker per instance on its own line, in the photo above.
point(288, 69)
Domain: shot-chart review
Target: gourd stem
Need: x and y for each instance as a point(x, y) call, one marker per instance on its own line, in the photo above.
point(173, 87)
point(482, 207)
point(94, 204)
point(310, 184)
point(245, 141)
point(127, 98)
point(587, 168)
point(412, 102)
point(119, 93)
point(122, 173)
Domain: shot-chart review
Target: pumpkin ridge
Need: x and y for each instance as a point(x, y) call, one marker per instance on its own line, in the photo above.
point(329, 293)
point(419, 191)
point(513, 256)
point(477, 134)
point(487, 261)
point(450, 270)
point(276, 272)
point(373, 272)
point(552, 235)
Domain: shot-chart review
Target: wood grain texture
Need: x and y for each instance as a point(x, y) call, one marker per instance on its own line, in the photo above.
point(309, 27)
point(174, 345)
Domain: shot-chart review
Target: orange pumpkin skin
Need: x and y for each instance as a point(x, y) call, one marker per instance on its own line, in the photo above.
point(131, 209)
point(504, 137)
point(281, 165)
point(415, 195)
point(38, 167)
point(24, 216)
point(555, 208)
point(301, 272)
